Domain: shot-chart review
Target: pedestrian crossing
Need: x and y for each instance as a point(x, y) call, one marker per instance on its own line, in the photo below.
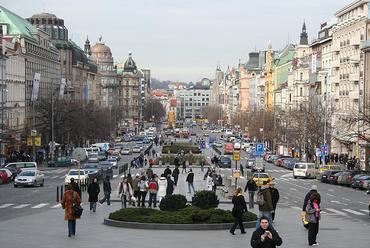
point(18, 206)
point(345, 212)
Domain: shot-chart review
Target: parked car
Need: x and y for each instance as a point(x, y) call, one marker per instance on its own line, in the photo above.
point(113, 161)
point(346, 177)
point(357, 183)
point(126, 151)
point(19, 166)
point(305, 170)
point(93, 170)
point(224, 162)
point(218, 144)
point(289, 163)
point(29, 178)
point(84, 176)
point(106, 168)
point(279, 161)
point(62, 162)
point(237, 145)
point(333, 179)
point(9, 173)
point(326, 174)
point(4, 177)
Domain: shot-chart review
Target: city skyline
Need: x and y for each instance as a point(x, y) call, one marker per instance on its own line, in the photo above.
point(186, 40)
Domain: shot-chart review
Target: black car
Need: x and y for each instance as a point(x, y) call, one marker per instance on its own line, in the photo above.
point(326, 175)
point(93, 170)
point(106, 168)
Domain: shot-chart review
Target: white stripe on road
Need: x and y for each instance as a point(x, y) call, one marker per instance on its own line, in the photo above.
point(330, 195)
point(297, 208)
point(53, 177)
point(6, 205)
point(40, 205)
point(365, 210)
point(293, 189)
point(57, 206)
point(353, 212)
point(336, 211)
point(21, 206)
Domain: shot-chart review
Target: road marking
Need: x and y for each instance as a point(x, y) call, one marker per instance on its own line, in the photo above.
point(330, 195)
point(53, 177)
point(21, 206)
point(331, 190)
point(338, 202)
point(363, 203)
point(353, 212)
point(6, 205)
point(293, 189)
point(114, 176)
point(63, 177)
point(346, 199)
point(336, 211)
point(297, 208)
point(364, 210)
point(40, 205)
point(57, 206)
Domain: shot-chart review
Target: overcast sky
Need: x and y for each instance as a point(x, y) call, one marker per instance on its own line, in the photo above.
point(184, 40)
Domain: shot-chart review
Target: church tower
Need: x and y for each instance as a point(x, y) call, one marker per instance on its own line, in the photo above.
point(304, 36)
point(87, 46)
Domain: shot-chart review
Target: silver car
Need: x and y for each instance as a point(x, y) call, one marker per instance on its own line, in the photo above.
point(29, 178)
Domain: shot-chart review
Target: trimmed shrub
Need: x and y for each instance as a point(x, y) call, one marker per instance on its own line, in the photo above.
point(205, 199)
point(172, 203)
point(174, 149)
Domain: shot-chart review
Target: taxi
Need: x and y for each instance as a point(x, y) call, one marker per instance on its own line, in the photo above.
point(329, 167)
point(261, 177)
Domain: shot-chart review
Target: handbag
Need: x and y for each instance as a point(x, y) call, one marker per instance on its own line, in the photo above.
point(76, 209)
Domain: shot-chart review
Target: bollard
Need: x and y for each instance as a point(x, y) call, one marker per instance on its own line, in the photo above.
point(61, 191)
point(57, 193)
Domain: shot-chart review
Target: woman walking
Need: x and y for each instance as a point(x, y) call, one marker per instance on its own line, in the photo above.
point(313, 217)
point(162, 187)
point(93, 191)
point(239, 207)
point(70, 198)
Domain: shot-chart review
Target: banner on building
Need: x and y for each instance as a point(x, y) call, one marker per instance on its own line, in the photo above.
point(35, 86)
point(62, 87)
point(86, 93)
point(314, 62)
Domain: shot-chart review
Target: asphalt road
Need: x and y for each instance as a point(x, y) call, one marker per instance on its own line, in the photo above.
point(15, 202)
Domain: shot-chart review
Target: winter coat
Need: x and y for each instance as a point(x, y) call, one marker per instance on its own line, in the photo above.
point(307, 198)
point(106, 186)
point(175, 172)
point(267, 199)
point(256, 241)
point(170, 186)
point(167, 171)
point(209, 183)
point(143, 185)
point(93, 191)
point(69, 198)
point(250, 186)
point(162, 187)
point(135, 184)
point(239, 205)
point(274, 196)
point(190, 177)
point(125, 189)
point(311, 213)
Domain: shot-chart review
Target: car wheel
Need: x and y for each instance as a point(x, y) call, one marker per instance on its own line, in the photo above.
point(295, 177)
point(42, 184)
point(35, 184)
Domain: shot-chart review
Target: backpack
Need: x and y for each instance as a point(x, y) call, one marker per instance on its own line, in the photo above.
point(260, 199)
point(152, 185)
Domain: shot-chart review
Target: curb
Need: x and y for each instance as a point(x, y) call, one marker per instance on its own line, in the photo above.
point(157, 226)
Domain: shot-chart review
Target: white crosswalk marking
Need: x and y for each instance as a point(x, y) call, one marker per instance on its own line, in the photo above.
point(53, 177)
point(336, 211)
point(40, 205)
point(353, 211)
point(21, 206)
point(57, 206)
point(6, 205)
point(364, 210)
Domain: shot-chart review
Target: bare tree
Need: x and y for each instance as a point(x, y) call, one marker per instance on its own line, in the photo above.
point(153, 107)
point(212, 113)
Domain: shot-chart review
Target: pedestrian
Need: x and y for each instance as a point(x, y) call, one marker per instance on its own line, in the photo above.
point(202, 165)
point(313, 218)
point(153, 153)
point(124, 192)
point(135, 187)
point(69, 199)
point(264, 201)
point(167, 171)
point(107, 188)
point(305, 201)
point(143, 186)
point(190, 180)
point(251, 186)
point(153, 190)
point(93, 190)
point(170, 185)
point(183, 167)
point(240, 206)
point(177, 161)
point(175, 174)
point(149, 173)
point(75, 187)
point(265, 236)
point(162, 187)
point(214, 180)
point(209, 182)
point(275, 198)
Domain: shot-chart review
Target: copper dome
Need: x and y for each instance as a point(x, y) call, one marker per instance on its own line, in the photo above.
point(100, 48)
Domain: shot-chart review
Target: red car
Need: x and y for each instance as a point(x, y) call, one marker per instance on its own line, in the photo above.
point(279, 161)
point(4, 177)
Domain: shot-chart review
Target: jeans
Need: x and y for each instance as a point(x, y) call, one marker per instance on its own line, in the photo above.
point(153, 199)
point(191, 185)
point(123, 201)
point(313, 230)
point(141, 198)
point(71, 227)
point(266, 214)
point(106, 198)
point(93, 206)
point(251, 199)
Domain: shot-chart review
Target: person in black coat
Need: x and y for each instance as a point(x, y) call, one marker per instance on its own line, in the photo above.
point(251, 186)
point(93, 190)
point(175, 174)
point(170, 185)
point(274, 197)
point(75, 187)
point(167, 171)
point(240, 206)
point(265, 236)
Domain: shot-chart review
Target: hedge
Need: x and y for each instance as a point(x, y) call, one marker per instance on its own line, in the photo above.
point(205, 199)
point(193, 159)
point(187, 215)
point(174, 149)
point(172, 203)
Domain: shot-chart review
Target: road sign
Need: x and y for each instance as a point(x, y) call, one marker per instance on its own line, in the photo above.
point(236, 173)
point(236, 156)
point(324, 150)
point(260, 149)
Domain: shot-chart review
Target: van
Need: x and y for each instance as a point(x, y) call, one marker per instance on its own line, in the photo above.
point(22, 166)
point(305, 170)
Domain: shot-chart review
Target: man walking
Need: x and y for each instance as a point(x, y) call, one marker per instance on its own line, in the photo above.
point(175, 174)
point(275, 198)
point(190, 180)
point(264, 201)
point(107, 188)
point(93, 191)
point(251, 186)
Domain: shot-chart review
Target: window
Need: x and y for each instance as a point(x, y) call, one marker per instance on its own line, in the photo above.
point(301, 76)
point(300, 91)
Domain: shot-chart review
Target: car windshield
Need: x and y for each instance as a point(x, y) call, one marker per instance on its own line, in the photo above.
point(27, 173)
point(89, 166)
point(300, 166)
point(112, 160)
point(75, 173)
point(261, 176)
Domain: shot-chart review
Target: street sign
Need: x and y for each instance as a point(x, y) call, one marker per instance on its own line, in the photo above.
point(260, 150)
point(236, 173)
point(324, 150)
point(79, 154)
point(236, 156)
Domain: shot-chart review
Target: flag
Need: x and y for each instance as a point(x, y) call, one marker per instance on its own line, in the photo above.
point(314, 62)
point(62, 87)
point(86, 93)
point(35, 86)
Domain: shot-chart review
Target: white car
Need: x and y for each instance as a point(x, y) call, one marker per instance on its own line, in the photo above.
point(113, 162)
point(29, 178)
point(126, 151)
point(237, 146)
point(136, 149)
point(84, 177)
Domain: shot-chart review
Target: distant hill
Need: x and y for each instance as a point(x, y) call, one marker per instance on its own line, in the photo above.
point(158, 85)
